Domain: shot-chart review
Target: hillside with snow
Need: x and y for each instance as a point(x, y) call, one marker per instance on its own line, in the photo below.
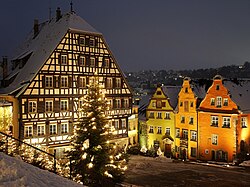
point(16, 173)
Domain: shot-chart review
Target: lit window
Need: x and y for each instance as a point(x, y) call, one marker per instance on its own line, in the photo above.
point(214, 121)
point(52, 129)
point(32, 107)
point(191, 120)
point(91, 42)
point(123, 123)
point(48, 106)
point(116, 124)
point(244, 122)
point(182, 119)
point(118, 83)
point(82, 82)
point(159, 130)
point(177, 131)
point(40, 130)
point(167, 115)
point(28, 131)
point(109, 83)
point(64, 59)
point(159, 115)
point(151, 115)
point(212, 101)
point(64, 81)
point(64, 105)
point(151, 129)
point(185, 134)
point(214, 139)
point(81, 41)
point(92, 62)
point(225, 102)
point(226, 122)
point(218, 101)
point(158, 104)
point(64, 128)
point(193, 135)
point(167, 131)
point(48, 81)
point(81, 61)
point(106, 63)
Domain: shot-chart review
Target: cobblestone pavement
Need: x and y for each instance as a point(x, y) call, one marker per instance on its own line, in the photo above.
point(161, 171)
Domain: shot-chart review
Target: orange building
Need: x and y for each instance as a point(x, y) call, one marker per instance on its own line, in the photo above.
point(217, 124)
point(186, 122)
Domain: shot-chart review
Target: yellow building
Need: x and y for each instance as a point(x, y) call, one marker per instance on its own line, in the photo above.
point(161, 120)
point(133, 127)
point(186, 122)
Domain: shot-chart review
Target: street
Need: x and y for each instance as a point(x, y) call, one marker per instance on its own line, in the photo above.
point(161, 171)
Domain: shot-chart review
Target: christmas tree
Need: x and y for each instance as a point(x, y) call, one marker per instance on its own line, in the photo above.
point(94, 160)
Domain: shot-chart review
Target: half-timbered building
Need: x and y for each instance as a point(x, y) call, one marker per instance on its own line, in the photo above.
point(50, 74)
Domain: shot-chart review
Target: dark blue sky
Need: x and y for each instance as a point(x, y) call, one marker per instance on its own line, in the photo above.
point(147, 34)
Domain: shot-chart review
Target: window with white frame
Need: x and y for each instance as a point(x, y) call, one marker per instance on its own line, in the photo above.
point(225, 102)
point(82, 82)
point(64, 59)
point(226, 122)
point(28, 131)
point(159, 130)
point(109, 83)
point(244, 122)
point(177, 133)
point(214, 139)
point(124, 123)
point(214, 121)
point(92, 62)
point(159, 115)
point(191, 120)
point(40, 130)
point(193, 135)
point(167, 131)
point(82, 61)
point(92, 42)
point(64, 81)
point(32, 106)
point(185, 134)
point(64, 105)
point(64, 128)
point(48, 81)
point(116, 124)
point(218, 101)
point(151, 129)
point(167, 115)
point(212, 101)
point(52, 129)
point(48, 106)
point(118, 82)
point(158, 104)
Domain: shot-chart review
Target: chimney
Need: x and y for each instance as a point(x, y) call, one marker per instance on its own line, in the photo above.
point(5, 67)
point(36, 27)
point(58, 14)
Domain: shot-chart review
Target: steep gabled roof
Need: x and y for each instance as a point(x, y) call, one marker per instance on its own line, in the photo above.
point(172, 93)
point(240, 93)
point(41, 47)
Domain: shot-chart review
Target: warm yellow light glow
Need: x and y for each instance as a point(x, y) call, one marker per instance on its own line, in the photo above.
point(90, 165)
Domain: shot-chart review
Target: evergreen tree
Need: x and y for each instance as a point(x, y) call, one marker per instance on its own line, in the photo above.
point(95, 161)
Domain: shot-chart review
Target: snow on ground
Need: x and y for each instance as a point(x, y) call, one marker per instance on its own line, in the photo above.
point(16, 173)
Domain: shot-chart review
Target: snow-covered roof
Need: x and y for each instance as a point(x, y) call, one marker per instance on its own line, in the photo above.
point(240, 93)
point(172, 93)
point(41, 47)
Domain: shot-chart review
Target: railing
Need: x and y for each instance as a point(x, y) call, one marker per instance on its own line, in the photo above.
point(31, 146)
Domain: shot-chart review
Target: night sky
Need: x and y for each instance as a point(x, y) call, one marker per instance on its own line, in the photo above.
point(147, 34)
